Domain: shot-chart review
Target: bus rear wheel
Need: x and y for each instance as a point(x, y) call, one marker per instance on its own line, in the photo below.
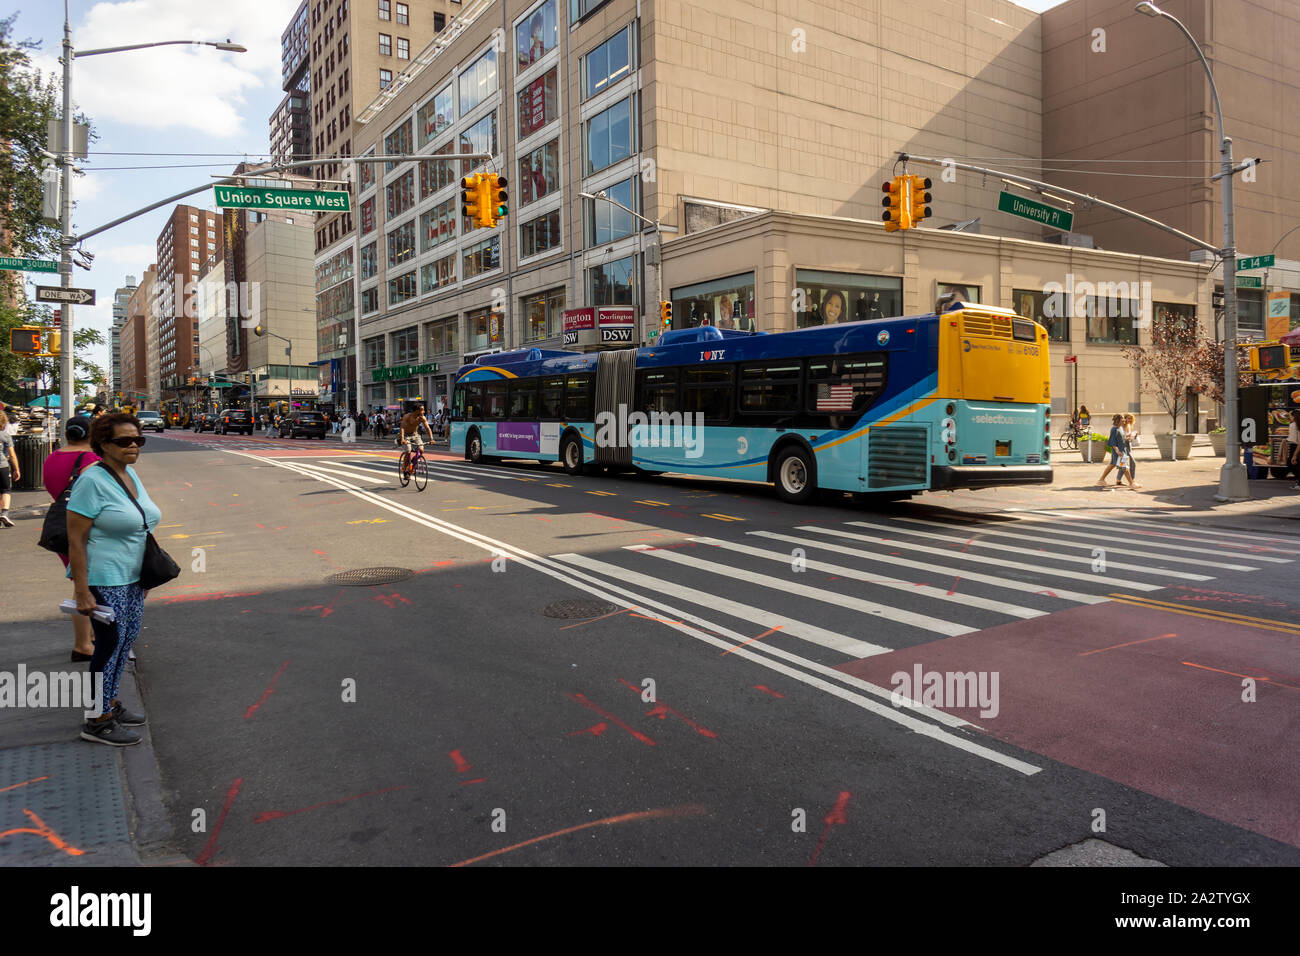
point(474, 448)
point(796, 478)
point(571, 455)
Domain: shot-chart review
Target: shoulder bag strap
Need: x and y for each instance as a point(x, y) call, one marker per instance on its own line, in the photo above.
point(144, 522)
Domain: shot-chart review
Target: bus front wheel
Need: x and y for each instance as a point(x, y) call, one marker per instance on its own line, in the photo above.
point(571, 455)
point(796, 480)
point(474, 448)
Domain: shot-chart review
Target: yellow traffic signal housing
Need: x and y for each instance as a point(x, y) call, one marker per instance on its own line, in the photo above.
point(919, 199)
point(473, 200)
point(666, 314)
point(498, 205)
point(55, 344)
point(25, 340)
point(898, 212)
point(1266, 358)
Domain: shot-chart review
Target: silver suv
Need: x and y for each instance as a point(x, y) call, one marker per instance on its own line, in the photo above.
point(151, 419)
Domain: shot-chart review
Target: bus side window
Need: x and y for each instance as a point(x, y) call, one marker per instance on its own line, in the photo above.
point(523, 399)
point(706, 390)
point(656, 390)
point(552, 400)
point(577, 397)
point(494, 399)
point(458, 403)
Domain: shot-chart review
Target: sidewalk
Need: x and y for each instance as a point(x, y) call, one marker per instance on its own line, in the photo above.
point(65, 801)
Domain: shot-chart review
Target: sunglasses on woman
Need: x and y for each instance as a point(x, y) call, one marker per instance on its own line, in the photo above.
point(127, 442)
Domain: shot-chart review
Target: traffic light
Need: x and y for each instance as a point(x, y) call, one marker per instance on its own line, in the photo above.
point(919, 199)
point(1266, 358)
point(55, 342)
point(897, 214)
point(666, 315)
point(498, 207)
point(474, 200)
point(25, 340)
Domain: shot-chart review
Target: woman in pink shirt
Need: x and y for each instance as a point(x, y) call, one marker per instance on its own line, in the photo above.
point(58, 471)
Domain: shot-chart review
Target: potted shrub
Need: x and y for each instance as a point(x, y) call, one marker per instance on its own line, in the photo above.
point(1100, 450)
point(1173, 445)
point(1219, 441)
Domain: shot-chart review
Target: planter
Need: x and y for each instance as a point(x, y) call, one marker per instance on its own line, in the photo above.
point(1099, 453)
point(1165, 442)
point(1219, 442)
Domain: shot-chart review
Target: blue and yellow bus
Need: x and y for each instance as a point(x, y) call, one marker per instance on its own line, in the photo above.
point(886, 407)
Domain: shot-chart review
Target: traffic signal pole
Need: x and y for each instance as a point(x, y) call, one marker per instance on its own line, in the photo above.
point(65, 214)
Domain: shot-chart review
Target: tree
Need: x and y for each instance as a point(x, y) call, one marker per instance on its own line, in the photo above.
point(1209, 362)
point(26, 108)
point(1170, 365)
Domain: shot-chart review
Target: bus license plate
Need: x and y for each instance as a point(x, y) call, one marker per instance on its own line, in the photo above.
point(1002, 449)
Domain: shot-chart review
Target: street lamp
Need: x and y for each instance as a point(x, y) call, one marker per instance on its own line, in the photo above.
point(659, 241)
point(1232, 476)
point(261, 330)
point(65, 162)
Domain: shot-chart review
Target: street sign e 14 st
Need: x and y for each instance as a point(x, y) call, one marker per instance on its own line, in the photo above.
point(46, 293)
point(1037, 211)
point(13, 264)
point(273, 198)
point(1256, 262)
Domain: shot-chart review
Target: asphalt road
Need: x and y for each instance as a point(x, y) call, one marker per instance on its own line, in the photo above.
point(727, 698)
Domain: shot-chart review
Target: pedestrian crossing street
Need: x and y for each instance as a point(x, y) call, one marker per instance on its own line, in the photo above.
point(858, 588)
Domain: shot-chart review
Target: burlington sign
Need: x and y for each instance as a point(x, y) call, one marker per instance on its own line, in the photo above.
point(265, 197)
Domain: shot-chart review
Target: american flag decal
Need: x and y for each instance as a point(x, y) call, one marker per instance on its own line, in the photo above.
point(834, 398)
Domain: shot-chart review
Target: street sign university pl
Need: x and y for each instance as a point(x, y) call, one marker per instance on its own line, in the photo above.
point(260, 197)
point(1037, 211)
point(46, 293)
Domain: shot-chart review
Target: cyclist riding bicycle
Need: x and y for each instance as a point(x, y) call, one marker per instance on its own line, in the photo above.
point(408, 432)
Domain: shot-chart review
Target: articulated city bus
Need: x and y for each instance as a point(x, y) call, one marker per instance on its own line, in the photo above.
point(887, 407)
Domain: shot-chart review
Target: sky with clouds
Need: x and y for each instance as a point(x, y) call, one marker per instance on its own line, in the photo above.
point(195, 109)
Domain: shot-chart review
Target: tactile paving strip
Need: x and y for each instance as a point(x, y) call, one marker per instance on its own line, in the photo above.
point(81, 800)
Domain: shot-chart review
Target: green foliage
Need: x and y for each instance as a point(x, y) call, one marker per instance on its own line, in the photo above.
point(26, 108)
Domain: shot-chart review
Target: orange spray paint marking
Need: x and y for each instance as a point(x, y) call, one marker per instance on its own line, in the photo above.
point(582, 699)
point(466, 783)
point(669, 812)
point(953, 589)
point(767, 690)
point(1216, 670)
point(595, 730)
point(662, 710)
point(211, 847)
point(770, 630)
point(277, 814)
point(837, 817)
point(459, 760)
point(270, 689)
point(657, 620)
point(42, 829)
point(1127, 644)
point(594, 619)
point(390, 600)
point(15, 786)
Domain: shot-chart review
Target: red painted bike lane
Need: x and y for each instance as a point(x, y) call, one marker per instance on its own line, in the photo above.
point(1148, 698)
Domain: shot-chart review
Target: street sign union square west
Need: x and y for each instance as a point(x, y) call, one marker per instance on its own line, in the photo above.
point(269, 198)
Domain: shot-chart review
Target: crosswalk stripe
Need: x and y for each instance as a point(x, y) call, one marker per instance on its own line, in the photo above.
point(982, 558)
point(1032, 552)
point(1092, 541)
point(387, 467)
point(808, 632)
point(1164, 531)
point(962, 573)
point(387, 472)
point(966, 600)
point(779, 586)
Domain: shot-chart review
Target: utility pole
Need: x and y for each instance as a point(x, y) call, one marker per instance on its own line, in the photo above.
point(65, 214)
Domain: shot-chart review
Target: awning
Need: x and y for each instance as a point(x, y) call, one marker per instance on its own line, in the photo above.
point(47, 401)
point(321, 362)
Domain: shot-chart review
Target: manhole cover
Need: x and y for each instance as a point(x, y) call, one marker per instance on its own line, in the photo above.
point(578, 610)
point(366, 577)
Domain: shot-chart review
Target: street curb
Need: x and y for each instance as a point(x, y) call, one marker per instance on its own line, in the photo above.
point(152, 835)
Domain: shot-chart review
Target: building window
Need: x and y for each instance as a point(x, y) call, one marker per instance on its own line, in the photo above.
point(368, 216)
point(439, 273)
point(726, 303)
point(543, 315)
point(436, 175)
point(402, 288)
point(436, 115)
point(479, 138)
point(406, 347)
point(369, 301)
point(398, 143)
point(385, 45)
point(385, 78)
point(609, 62)
point(476, 329)
point(606, 222)
point(481, 257)
point(1110, 319)
point(403, 48)
point(374, 352)
point(401, 244)
point(539, 103)
point(540, 235)
point(443, 337)
point(403, 14)
point(610, 136)
point(400, 194)
point(385, 9)
point(539, 173)
point(438, 225)
point(1050, 310)
point(478, 82)
point(612, 283)
point(833, 297)
point(535, 36)
point(366, 172)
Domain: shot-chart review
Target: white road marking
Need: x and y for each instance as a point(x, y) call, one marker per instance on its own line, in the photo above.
point(1150, 530)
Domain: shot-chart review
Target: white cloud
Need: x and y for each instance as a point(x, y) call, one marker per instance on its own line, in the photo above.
point(136, 257)
point(177, 87)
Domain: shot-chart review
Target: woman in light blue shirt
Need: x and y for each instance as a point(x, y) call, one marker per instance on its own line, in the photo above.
point(106, 540)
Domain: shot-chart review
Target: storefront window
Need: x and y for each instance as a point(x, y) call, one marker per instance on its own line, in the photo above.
point(831, 297)
point(406, 347)
point(726, 303)
point(1110, 320)
point(1038, 305)
point(543, 315)
point(442, 337)
point(535, 36)
point(1250, 312)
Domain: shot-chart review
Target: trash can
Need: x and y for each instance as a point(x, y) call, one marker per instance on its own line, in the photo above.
point(32, 450)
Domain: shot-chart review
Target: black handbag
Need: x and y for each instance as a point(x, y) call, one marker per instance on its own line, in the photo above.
point(158, 567)
point(54, 529)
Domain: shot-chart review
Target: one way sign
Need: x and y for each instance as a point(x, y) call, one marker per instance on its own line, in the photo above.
point(49, 293)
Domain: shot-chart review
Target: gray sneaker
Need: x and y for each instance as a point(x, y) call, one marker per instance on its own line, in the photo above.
point(109, 732)
point(126, 717)
point(6, 520)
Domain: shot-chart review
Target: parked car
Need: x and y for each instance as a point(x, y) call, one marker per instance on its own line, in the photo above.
point(234, 420)
point(152, 419)
point(311, 424)
point(204, 422)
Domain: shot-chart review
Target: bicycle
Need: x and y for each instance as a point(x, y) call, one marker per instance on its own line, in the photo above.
point(1069, 439)
point(411, 464)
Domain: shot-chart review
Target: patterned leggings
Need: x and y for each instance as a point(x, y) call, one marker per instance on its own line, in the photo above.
point(113, 641)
